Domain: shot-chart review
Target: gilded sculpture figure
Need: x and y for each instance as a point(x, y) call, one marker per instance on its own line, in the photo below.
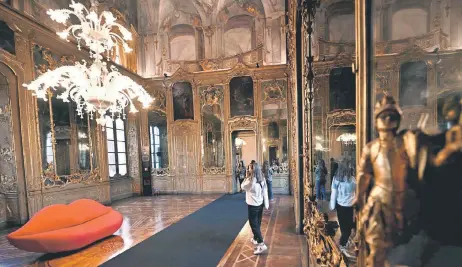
point(385, 166)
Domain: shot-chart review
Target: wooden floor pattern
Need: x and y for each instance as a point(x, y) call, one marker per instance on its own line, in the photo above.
point(145, 216)
point(285, 247)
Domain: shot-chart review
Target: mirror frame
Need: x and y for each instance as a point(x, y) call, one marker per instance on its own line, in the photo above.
point(50, 178)
point(219, 91)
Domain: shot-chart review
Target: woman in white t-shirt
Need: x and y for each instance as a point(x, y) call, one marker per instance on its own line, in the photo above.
point(343, 193)
point(256, 196)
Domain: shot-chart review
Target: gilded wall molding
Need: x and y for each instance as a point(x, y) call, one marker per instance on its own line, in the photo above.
point(243, 123)
point(13, 178)
point(8, 184)
point(134, 163)
point(274, 91)
point(292, 107)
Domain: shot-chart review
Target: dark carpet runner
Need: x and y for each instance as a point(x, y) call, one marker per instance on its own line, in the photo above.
point(200, 239)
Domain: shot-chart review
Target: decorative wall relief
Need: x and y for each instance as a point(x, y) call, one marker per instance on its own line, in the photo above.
point(213, 154)
point(8, 181)
point(242, 124)
point(241, 96)
point(183, 101)
point(275, 90)
point(133, 153)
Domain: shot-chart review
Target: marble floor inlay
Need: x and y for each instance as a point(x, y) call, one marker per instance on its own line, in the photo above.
point(146, 216)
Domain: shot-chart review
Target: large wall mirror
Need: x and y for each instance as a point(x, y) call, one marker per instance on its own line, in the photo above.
point(274, 120)
point(241, 96)
point(67, 139)
point(213, 154)
point(158, 141)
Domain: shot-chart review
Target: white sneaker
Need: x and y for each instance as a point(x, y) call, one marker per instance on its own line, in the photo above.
point(260, 249)
point(253, 241)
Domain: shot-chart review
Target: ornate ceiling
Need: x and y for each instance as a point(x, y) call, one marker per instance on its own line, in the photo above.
point(159, 15)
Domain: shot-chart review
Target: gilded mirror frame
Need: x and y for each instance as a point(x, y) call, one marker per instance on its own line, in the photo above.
point(217, 100)
point(274, 91)
point(50, 177)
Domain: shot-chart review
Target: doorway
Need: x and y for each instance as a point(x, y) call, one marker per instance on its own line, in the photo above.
point(244, 147)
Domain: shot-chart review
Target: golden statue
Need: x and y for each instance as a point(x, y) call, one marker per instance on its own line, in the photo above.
point(384, 165)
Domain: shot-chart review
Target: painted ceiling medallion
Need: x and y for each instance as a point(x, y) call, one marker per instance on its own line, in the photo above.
point(94, 86)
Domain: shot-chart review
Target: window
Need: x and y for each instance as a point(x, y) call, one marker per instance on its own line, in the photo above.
point(155, 147)
point(116, 148)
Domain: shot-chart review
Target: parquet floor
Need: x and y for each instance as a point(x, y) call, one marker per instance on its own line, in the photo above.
point(145, 216)
point(285, 247)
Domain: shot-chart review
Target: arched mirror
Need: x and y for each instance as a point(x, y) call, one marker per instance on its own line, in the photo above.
point(213, 154)
point(67, 139)
point(241, 96)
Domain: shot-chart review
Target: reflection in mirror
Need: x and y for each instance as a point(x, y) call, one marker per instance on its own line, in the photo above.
point(343, 143)
point(83, 141)
point(62, 136)
point(274, 115)
point(93, 144)
point(158, 140)
point(212, 127)
point(43, 110)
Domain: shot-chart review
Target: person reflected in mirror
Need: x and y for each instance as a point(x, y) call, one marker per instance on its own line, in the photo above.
point(240, 173)
point(256, 197)
point(320, 174)
point(333, 168)
point(343, 194)
point(268, 173)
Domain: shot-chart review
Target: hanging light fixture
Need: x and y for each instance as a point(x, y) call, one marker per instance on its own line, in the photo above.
point(94, 87)
point(347, 138)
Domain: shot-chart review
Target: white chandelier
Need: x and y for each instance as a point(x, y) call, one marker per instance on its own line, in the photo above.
point(347, 138)
point(95, 31)
point(95, 88)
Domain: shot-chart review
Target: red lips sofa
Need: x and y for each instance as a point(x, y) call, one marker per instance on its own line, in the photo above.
point(60, 227)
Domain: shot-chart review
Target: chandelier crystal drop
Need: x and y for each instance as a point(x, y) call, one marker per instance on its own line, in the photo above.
point(97, 89)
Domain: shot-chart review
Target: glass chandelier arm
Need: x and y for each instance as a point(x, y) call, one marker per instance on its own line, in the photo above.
point(57, 78)
point(59, 15)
